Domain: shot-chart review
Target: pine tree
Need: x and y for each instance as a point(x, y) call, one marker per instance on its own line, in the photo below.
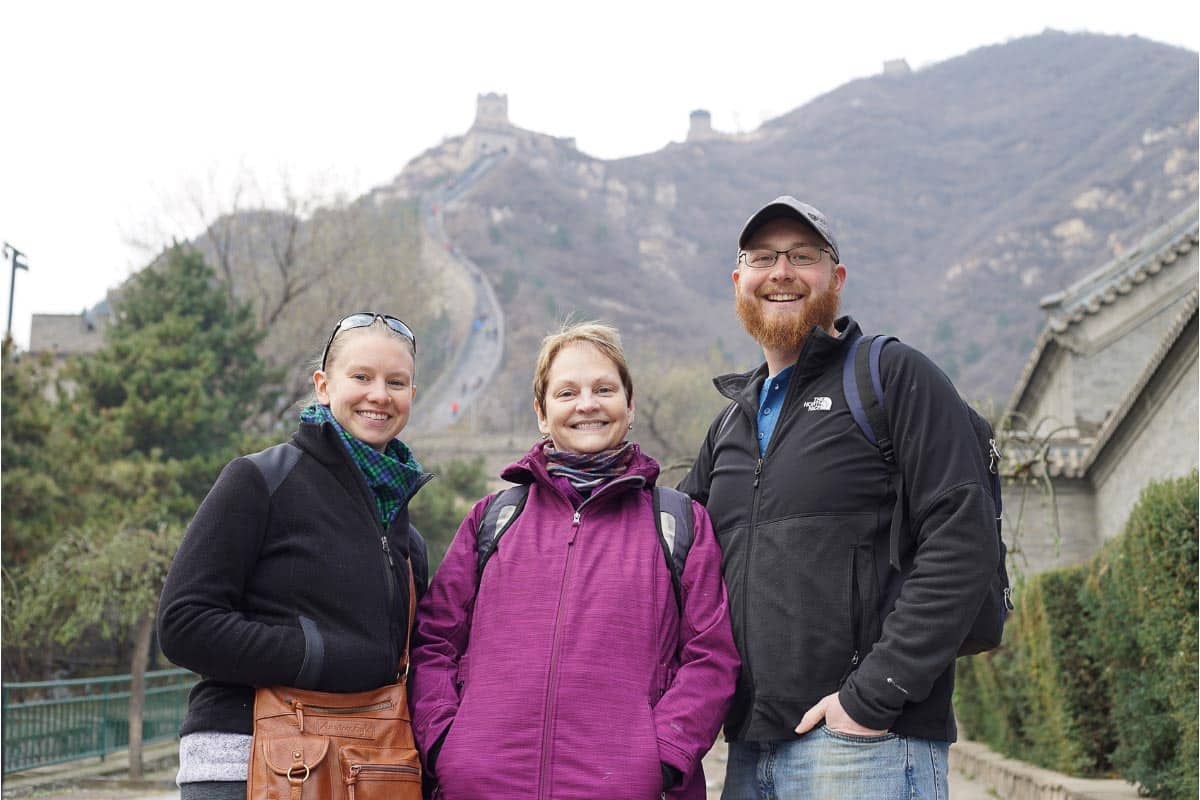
point(139, 435)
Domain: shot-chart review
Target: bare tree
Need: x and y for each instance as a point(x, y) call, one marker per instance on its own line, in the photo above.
point(293, 256)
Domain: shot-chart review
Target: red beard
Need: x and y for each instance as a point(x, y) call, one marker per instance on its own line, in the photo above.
point(788, 331)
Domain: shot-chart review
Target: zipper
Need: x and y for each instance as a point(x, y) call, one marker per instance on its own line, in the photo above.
point(552, 672)
point(386, 704)
point(747, 670)
point(390, 566)
point(382, 771)
point(395, 769)
point(855, 606)
point(391, 569)
point(789, 404)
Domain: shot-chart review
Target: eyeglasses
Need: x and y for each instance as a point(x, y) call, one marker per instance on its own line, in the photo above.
point(804, 255)
point(362, 319)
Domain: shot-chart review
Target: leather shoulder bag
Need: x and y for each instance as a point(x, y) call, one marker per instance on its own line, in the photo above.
point(311, 745)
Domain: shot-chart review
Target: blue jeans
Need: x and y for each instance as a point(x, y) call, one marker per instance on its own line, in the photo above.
point(827, 765)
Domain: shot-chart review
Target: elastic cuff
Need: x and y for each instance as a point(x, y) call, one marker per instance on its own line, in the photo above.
point(674, 757)
point(859, 713)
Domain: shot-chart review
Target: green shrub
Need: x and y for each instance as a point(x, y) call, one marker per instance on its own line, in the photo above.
point(987, 703)
point(442, 504)
point(1050, 631)
point(1145, 588)
point(1098, 667)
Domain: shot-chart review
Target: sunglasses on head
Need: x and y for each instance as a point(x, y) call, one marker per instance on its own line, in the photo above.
point(362, 319)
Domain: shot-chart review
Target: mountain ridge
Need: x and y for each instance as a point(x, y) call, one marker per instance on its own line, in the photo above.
point(961, 193)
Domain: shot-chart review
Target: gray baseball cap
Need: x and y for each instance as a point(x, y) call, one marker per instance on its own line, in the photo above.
point(787, 206)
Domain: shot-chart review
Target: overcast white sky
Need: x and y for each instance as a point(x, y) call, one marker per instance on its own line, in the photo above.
point(110, 111)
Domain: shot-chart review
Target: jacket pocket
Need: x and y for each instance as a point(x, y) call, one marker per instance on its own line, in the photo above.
point(801, 618)
point(381, 773)
point(664, 676)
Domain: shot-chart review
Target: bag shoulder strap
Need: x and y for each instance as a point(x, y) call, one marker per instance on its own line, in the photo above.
point(672, 519)
point(402, 669)
point(501, 512)
point(676, 529)
point(863, 388)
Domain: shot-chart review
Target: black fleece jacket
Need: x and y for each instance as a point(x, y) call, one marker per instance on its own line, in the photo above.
point(804, 536)
point(292, 584)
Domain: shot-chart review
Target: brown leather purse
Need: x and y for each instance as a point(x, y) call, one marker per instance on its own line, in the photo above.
point(312, 745)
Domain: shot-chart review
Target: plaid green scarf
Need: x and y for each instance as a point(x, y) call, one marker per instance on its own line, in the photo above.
point(391, 474)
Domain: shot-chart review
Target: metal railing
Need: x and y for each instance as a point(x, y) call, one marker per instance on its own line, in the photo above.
point(49, 722)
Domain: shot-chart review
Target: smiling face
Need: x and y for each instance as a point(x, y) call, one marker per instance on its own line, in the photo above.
point(368, 385)
point(586, 408)
point(780, 305)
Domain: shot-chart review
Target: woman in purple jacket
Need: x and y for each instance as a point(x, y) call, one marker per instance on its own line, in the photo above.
point(567, 668)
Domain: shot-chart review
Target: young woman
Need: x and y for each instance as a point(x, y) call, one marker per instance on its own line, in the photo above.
point(295, 571)
point(566, 667)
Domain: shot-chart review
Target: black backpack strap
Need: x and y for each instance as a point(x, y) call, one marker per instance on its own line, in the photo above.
point(276, 463)
point(500, 513)
point(676, 529)
point(863, 387)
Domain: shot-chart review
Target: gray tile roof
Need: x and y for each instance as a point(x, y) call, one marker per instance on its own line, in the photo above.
point(1158, 251)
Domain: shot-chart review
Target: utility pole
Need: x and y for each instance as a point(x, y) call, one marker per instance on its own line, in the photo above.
point(15, 255)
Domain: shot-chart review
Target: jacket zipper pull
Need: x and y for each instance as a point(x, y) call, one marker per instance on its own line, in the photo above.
point(757, 472)
point(575, 519)
point(387, 551)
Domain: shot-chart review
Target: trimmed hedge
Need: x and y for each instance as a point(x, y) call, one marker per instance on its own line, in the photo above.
point(1097, 672)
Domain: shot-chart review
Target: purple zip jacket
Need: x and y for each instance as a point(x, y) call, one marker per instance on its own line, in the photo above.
point(571, 674)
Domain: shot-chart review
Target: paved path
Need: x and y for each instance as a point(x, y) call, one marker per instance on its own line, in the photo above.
point(961, 787)
point(474, 363)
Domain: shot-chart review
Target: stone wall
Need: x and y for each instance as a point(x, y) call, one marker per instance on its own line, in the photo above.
point(1115, 343)
point(1031, 531)
point(67, 334)
point(1157, 440)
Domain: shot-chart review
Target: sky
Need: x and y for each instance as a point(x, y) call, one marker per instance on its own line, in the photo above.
point(122, 122)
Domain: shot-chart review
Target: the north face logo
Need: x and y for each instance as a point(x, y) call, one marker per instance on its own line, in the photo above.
point(819, 404)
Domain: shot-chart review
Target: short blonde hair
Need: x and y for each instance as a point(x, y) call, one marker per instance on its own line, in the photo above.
point(604, 338)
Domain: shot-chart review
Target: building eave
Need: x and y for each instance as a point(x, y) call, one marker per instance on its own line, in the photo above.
point(1186, 318)
point(1102, 287)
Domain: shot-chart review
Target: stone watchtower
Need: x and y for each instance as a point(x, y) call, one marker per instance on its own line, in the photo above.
point(700, 126)
point(491, 111)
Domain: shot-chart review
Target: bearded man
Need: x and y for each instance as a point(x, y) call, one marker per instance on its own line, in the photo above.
point(845, 687)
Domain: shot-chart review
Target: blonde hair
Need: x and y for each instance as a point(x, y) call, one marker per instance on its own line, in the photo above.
point(604, 338)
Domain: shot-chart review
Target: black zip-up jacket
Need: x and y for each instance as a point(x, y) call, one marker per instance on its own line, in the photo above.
point(804, 535)
point(286, 577)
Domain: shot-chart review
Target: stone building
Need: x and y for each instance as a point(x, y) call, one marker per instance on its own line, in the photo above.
point(1107, 401)
point(700, 126)
point(64, 335)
